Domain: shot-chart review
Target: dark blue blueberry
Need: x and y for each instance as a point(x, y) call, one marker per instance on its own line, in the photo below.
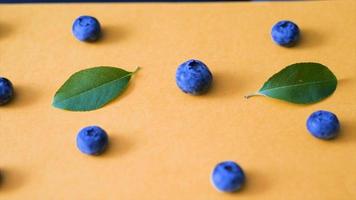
point(228, 176)
point(323, 124)
point(285, 33)
point(193, 77)
point(92, 140)
point(6, 91)
point(86, 28)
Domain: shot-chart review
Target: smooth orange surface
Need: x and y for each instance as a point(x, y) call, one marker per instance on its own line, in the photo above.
point(165, 143)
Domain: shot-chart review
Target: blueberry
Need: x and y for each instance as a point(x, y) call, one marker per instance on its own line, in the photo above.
point(193, 77)
point(6, 91)
point(227, 176)
point(92, 140)
point(323, 124)
point(285, 33)
point(86, 28)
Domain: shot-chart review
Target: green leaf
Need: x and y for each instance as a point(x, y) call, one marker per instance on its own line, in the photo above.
point(301, 83)
point(91, 88)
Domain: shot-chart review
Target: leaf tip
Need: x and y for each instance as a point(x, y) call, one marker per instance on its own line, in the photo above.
point(136, 70)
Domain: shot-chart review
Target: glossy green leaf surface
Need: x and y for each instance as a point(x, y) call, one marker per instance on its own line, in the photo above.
point(91, 88)
point(301, 83)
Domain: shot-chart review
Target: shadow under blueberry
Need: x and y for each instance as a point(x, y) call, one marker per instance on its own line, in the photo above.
point(23, 96)
point(10, 180)
point(346, 133)
point(309, 38)
point(225, 84)
point(5, 30)
point(118, 146)
point(111, 34)
point(255, 183)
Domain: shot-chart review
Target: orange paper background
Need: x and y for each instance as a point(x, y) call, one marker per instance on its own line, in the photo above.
point(165, 143)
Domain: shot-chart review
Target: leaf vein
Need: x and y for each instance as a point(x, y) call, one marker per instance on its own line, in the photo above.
point(81, 93)
point(297, 85)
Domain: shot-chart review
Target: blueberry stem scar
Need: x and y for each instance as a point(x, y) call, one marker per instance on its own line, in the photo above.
point(252, 95)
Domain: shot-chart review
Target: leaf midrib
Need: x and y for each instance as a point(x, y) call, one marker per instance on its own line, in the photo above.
point(296, 85)
point(81, 93)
